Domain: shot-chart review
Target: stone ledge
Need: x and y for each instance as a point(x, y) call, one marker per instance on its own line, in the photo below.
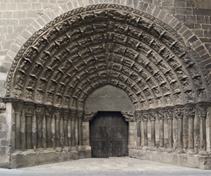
point(187, 160)
point(32, 158)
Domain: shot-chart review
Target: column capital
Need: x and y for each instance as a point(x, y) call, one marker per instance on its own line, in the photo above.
point(48, 111)
point(152, 115)
point(29, 109)
point(80, 114)
point(129, 116)
point(161, 113)
point(190, 110)
point(145, 116)
point(202, 109)
point(169, 113)
point(40, 110)
point(73, 113)
point(138, 115)
point(89, 115)
point(179, 112)
point(65, 114)
point(57, 113)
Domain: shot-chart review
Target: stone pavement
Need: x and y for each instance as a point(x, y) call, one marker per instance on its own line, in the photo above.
point(122, 166)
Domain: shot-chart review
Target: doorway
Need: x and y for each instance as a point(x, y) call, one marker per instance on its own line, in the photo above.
point(109, 135)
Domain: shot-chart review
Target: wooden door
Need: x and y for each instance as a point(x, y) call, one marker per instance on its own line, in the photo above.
point(109, 135)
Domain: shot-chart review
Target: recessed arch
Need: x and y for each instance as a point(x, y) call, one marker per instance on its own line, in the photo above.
point(139, 44)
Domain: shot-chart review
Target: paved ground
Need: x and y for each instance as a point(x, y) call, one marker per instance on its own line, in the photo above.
point(123, 166)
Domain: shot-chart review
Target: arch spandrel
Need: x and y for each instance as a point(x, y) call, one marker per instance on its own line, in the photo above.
point(53, 61)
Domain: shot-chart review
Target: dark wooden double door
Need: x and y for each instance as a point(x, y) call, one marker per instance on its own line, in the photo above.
point(109, 135)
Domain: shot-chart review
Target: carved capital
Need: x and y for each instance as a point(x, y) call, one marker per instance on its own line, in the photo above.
point(190, 111)
point(202, 109)
point(57, 114)
point(29, 109)
point(73, 114)
point(89, 115)
point(145, 116)
point(80, 114)
point(40, 111)
point(48, 111)
point(65, 114)
point(138, 115)
point(179, 112)
point(129, 117)
point(161, 114)
point(170, 113)
point(152, 115)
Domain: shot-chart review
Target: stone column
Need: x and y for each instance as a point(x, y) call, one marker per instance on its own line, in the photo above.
point(202, 112)
point(29, 112)
point(196, 132)
point(17, 108)
point(65, 128)
point(39, 124)
point(57, 115)
point(80, 115)
point(138, 117)
point(34, 130)
point(145, 120)
point(179, 112)
point(161, 136)
point(53, 129)
point(61, 129)
point(190, 114)
point(152, 117)
point(73, 124)
point(48, 114)
point(165, 129)
point(170, 127)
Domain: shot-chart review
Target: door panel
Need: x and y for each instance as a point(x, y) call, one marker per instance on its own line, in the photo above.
point(109, 135)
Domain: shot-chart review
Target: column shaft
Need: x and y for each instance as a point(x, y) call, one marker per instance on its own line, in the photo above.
point(28, 132)
point(190, 133)
point(23, 130)
point(17, 130)
point(39, 131)
point(145, 133)
point(152, 133)
point(179, 130)
point(170, 133)
point(161, 138)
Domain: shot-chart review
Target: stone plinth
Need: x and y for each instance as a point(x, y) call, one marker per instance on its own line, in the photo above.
point(187, 160)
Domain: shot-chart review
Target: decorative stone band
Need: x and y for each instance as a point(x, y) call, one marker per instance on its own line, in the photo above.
point(129, 116)
point(89, 115)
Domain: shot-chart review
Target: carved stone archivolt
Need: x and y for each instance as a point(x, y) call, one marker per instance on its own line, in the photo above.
point(72, 56)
